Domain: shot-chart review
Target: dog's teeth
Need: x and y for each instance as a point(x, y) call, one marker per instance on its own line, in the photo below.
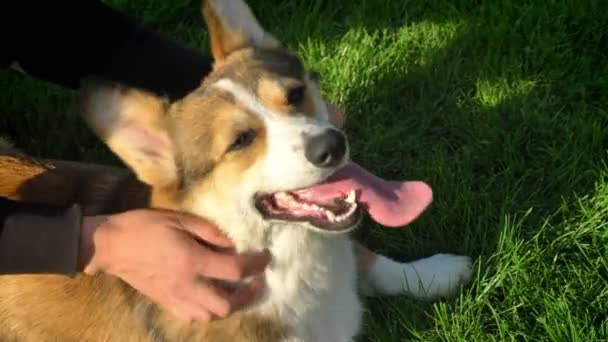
point(330, 216)
point(352, 196)
point(352, 209)
point(281, 195)
point(306, 206)
point(286, 199)
point(347, 214)
point(283, 198)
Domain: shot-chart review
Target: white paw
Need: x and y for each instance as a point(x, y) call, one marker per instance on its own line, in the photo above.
point(437, 276)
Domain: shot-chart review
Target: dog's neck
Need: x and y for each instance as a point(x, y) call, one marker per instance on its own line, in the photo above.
point(310, 274)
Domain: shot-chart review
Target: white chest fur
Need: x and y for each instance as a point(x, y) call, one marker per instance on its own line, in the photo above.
point(312, 284)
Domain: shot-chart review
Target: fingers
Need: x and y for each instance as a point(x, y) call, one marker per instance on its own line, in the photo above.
point(232, 267)
point(203, 230)
point(210, 302)
point(221, 303)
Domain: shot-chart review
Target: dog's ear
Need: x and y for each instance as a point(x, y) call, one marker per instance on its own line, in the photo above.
point(133, 125)
point(233, 26)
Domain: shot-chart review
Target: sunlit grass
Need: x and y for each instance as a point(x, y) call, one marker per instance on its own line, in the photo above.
point(500, 105)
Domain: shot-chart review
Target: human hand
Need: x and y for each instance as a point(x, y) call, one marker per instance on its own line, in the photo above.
point(167, 256)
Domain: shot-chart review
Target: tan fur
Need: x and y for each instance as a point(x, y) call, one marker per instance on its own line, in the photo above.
point(226, 37)
point(80, 307)
point(177, 152)
point(37, 308)
point(141, 117)
point(274, 94)
point(239, 327)
point(99, 308)
point(102, 308)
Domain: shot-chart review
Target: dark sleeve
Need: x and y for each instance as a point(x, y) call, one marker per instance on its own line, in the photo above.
point(39, 238)
point(63, 41)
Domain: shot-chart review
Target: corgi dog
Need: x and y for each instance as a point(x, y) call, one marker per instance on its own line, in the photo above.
point(253, 150)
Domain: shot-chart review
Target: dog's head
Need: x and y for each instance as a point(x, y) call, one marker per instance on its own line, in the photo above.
point(237, 149)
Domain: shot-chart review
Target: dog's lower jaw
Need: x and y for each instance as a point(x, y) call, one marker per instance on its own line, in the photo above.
point(312, 285)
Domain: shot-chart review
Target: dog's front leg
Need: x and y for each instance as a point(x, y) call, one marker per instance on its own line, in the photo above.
point(437, 276)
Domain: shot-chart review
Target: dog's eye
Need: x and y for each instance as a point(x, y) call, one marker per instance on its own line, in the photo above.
point(243, 140)
point(295, 95)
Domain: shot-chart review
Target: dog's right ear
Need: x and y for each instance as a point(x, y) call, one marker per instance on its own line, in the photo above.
point(134, 126)
point(233, 26)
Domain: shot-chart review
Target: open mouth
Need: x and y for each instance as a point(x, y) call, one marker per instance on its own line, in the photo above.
point(335, 214)
point(337, 204)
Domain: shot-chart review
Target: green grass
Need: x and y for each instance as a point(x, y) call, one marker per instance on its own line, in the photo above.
point(500, 105)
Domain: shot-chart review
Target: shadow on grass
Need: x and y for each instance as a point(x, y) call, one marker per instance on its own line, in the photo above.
point(504, 117)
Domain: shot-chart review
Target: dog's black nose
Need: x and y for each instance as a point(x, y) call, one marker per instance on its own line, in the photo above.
point(326, 149)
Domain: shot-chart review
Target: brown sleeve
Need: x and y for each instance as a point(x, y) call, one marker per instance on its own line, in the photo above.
point(39, 238)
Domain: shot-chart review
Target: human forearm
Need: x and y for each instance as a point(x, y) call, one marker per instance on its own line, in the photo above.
point(64, 41)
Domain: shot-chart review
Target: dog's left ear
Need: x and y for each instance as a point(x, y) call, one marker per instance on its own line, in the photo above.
point(233, 26)
point(134, 126)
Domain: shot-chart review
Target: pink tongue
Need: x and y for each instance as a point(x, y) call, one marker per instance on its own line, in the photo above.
point(390, 203)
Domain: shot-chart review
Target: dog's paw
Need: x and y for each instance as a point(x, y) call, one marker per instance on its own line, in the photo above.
point(440, 275)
